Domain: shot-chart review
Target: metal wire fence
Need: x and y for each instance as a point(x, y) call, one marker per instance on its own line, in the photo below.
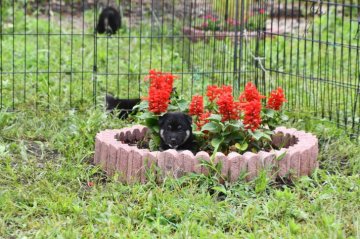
point(51, 55)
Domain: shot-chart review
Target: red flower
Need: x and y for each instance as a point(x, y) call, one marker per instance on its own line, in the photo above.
point(205, 24)
point(226, 89)
point(228, 108)
point(250, 103)
point(196, 106)
point(250, 93)
point(252, 118)
point(212, 92)
point(276, 99)
point(90, 184)
point(161, 85)
point(262, 11)
point(202, 119)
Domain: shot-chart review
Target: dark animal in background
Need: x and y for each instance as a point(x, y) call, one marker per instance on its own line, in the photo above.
point(176, 131)
point(109, 21)
point(125, 106)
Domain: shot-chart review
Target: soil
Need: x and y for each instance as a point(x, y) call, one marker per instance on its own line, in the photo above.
point(276, 144)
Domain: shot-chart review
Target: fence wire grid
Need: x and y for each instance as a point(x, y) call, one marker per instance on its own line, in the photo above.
point(51, 55)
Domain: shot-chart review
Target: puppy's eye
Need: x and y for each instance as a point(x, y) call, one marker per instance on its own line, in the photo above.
point(179, 127)
point(169, 127)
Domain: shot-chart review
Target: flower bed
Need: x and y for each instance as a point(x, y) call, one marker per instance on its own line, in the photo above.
point(212, 27)
point(113, 153)
point(196, 35)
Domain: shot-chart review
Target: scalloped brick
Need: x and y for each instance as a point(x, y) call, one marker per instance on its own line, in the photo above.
point(166, 161)
point(284, 163)
point(188, 161)
point(202, 156)
point(295, 163)
point(221, 158)
point(149, 163)
point(237, 165)
point(178, 170)
point(267, 162)
point(112, 160)
point(129, 136)
point(304, 162)
point(103, 155)
point(122, 162)
point(251, 160)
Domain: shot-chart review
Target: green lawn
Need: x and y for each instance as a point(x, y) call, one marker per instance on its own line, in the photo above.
point(45, 155)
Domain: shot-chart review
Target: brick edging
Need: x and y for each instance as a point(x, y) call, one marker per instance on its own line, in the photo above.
point(131, 163)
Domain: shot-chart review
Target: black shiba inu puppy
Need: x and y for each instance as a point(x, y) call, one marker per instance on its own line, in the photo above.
point(109, 21)
point(176, 131)
point(125, 106)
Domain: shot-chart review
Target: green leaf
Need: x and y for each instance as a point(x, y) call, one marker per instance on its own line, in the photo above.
point(212, 127)
point(237, 124)
point(259, 135)
point(242, 147)
point(281, 156)
point(183, 105)
point(284, 117)
point(154, 142)
point(269, 113)
point(142, 106)
point(172, 108)
point(145, 115)
point(220, 189)
point(215, 142)
point(215, 118)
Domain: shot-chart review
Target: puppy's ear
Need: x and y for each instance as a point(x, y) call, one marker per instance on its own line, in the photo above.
point(189, 119)
point(162, 119)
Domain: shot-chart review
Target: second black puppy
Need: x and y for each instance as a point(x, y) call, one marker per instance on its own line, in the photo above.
point(125, 106)
point(109, 21)
point(176, 131)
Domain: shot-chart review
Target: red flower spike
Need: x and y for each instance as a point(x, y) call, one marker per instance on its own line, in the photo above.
point(213, 92)
point(228, 108)
point(252, 118)
point(262, 11)
point(196, 106)
point(226, 89)
point(250, 93)
point(161, 85)
point(276, 99)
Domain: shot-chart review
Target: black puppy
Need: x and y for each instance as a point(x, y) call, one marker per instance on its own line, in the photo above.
point(109, 21)
point(176, 131)
point(125, 106)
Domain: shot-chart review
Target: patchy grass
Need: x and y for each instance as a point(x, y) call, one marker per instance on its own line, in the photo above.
point(44, 192)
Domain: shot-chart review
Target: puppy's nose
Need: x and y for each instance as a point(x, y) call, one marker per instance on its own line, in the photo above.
point(173, 140)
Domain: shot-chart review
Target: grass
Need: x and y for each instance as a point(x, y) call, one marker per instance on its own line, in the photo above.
point(44, 192)
point(45, 155)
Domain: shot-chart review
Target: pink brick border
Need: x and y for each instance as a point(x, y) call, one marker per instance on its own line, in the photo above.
point(131, 163)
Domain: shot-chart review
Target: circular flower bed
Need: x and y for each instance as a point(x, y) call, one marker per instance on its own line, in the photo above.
point(116, 152)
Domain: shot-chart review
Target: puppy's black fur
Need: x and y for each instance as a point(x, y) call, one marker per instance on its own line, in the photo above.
point(125, 106)
point(109, 21)
point(176, 131)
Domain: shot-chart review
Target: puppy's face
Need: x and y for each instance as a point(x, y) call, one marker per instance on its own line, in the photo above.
point(175, 128)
